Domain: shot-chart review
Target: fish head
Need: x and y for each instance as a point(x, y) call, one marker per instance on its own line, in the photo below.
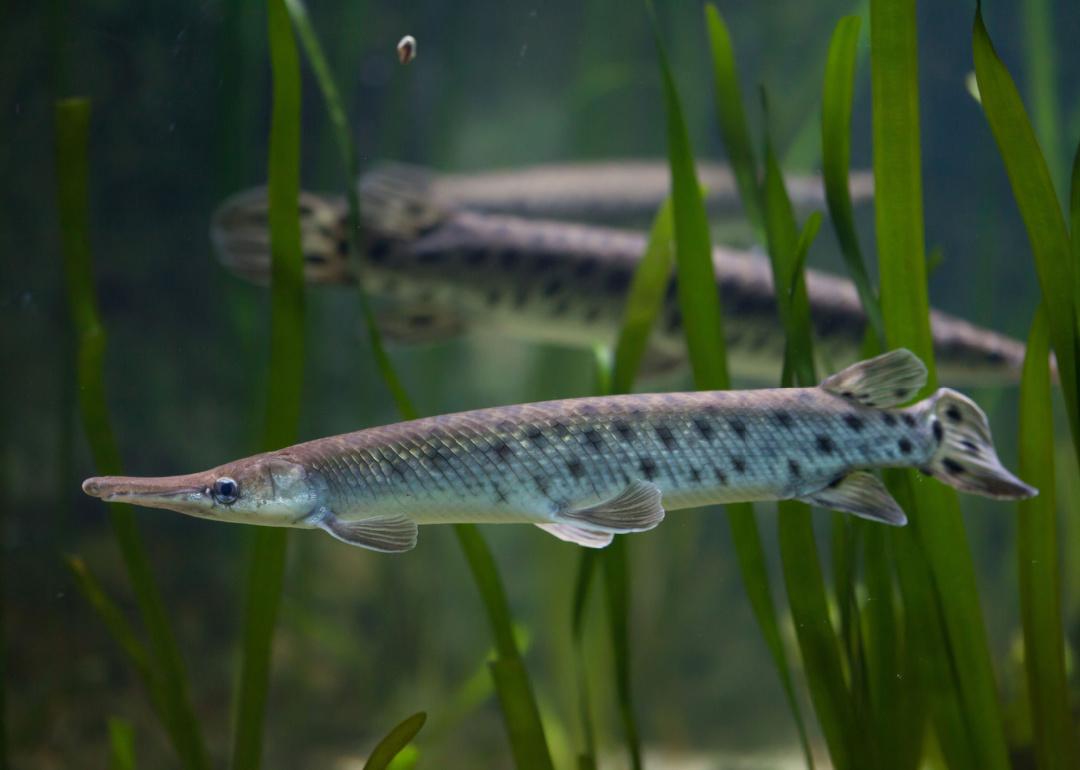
point(265, 489)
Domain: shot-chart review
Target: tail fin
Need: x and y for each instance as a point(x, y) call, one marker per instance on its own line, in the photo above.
point(965, 456)
point(240, 232)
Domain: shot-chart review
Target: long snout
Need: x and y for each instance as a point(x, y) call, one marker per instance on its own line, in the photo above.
point(151, 491)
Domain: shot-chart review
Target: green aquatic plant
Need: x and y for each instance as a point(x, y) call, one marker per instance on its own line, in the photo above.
point(1056, 253)
point(161, 663)
point(266, 571)
point(391, 752)
point(934, 562)
point(508, 671)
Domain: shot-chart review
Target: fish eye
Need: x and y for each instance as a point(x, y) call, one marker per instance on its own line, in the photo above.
point(225, 491)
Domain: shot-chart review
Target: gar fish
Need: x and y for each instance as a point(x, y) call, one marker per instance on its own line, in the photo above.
point(586, 469)
point(443, 270)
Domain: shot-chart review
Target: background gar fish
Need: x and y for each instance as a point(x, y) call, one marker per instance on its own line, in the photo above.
point(586, 469)
point(444, 269)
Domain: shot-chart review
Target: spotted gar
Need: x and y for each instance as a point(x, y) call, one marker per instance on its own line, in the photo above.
point(443, 268)
point(589, 468)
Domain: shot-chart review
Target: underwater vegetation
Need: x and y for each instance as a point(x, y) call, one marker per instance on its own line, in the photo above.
point(878, 642)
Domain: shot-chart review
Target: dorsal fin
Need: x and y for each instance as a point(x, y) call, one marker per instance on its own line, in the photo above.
point(399, 201)
point(886, 380)
point(635, 509)
point(861, 494)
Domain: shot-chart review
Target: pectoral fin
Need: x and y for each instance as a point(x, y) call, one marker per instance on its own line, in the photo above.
point(590, 538)
point(635, 509)
point(861, 494)
point(389, 534)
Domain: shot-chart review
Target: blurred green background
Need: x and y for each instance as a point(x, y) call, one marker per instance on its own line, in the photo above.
point(181, 110)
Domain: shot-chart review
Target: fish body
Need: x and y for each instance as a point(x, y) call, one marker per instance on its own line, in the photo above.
point(586, 469)
point(441, 270)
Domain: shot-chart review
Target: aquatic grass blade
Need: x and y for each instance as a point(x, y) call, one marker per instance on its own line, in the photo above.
point(818, 644)
point(731, 117)
point(807, 596)
point(643, 305)
point(1038, 565)
point(1033, 190)
point(72, 162)
point(582, 583)
point(121, 744)
point(395, 741)
point(837, 98)
point(350, 165)
point(511, 679)
point(266, 567)
point(645, 299)
point(950, 596)
point(122, 632)
point(1040, 54)
point(615, 562)
point(787, 248)
point(702, 320)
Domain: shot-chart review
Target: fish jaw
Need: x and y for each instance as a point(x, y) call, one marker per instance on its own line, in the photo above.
point(265, 489)
point(190, 493)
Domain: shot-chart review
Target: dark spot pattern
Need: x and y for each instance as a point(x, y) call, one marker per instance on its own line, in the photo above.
point(794, 469)
point(908, 420)
point(647, 467)
point(379, 251)
point(663, 432)
point(503, 451)
point(738, 426)
point(561, 428)
point(541, 484)
point(705, 428)
point(695, 475)
point(854, 422)
point(904, 446)
point(889, 418)
point(939, 432)
point(825, 445)
point(739, 464)
point(953, 413)
point(970, 447)
point(536, 436)
point(837, 482)
point(436, 457)
point(623, 430)
point(592, 437)
point(500, 494)
point(618, 281)
point(585, 268)
point(720, 475)
point(783, 419)
point(575, 467)
point(953, 467)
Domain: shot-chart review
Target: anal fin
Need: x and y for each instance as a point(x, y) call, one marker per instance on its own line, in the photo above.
point(571, 533)
point(635, 509)
point(862, 494)
point(388, 534)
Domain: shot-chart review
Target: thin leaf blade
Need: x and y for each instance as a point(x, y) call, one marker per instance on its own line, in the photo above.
point(395, 741)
